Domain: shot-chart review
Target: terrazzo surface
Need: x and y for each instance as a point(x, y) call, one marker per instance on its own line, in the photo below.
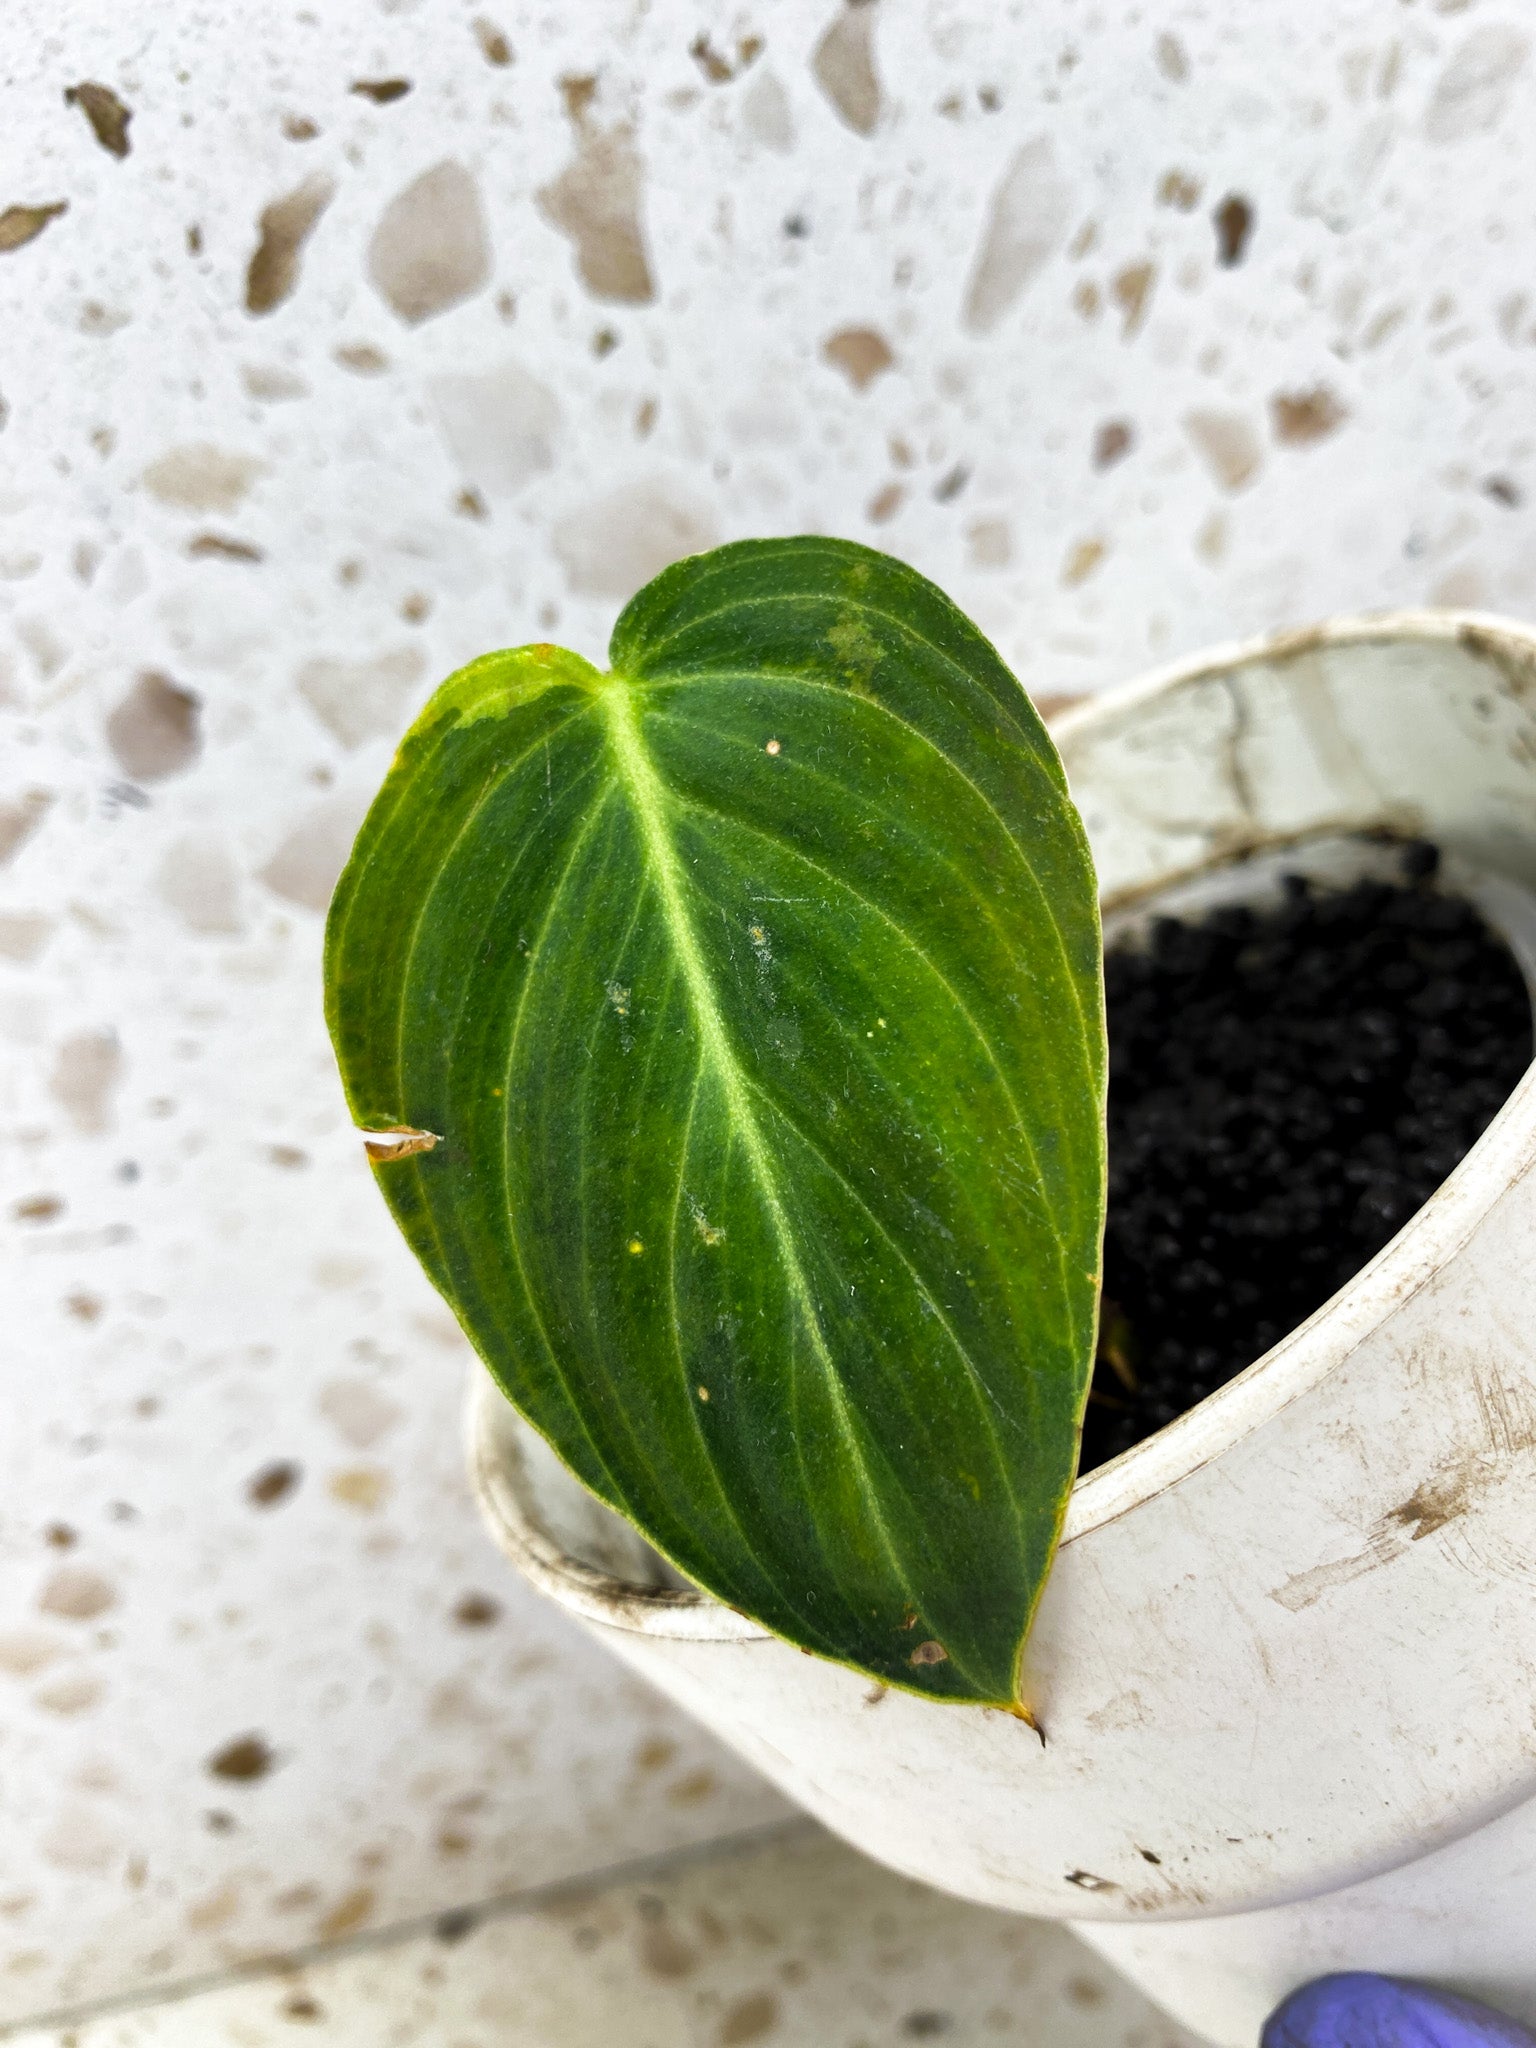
point(341, 343)
point(794, 1943)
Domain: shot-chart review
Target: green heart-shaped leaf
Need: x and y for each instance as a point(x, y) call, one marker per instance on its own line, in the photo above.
point(752, 993)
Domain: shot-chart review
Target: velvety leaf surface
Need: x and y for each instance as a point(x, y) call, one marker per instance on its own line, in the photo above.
point(1359, 2010)
point(753, 994)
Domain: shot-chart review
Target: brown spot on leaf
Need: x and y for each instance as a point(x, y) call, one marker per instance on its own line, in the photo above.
point(156, 730)
point(1026, 224)
point(595, 202)
point(1131, 290)
point(430, 250)
point(77, 1593)
point(860, 353)
point(843, 65)
point(273, 1483)
point(22, 224)
point(282, 230)
point(748, 2019)
point(20, 819)
point(1302, 417)
point(243, 1761)
point(1233, 221)
point(382, 91)
point(1112, 441)
point(494, 46)
point(107, 114)
point(477, 1610)
point(929, 1653)
point(86, 1071)
point(1228, 446)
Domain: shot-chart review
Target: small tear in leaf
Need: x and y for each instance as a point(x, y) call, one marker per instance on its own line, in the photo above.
point(399, 1141)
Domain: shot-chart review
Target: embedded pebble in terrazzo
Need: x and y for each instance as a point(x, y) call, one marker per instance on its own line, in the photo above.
point(77, 1593)
point(156, 730)
point(87, 1071)
point(596, 203)
point(1302, 417)
point(861, 353)
point(202, 478)
point(624, 539)
point(22, 224)
point(282, 230)
point(494, 46)
point(501, 427)
point(843, 65)
point(358, 1412)
point(20, 819)
point(108, 115)
point(1228, 445)
point(309, 859)
point(199, 880)
point(357, 699)
point(1474, 90)
point(1027, 222)
point(765, 113)
point(431, 250)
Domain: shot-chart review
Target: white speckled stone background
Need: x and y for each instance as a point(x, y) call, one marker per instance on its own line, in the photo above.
point(384, 334)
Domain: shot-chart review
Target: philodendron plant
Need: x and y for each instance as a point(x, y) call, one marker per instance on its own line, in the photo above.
point(728, 1033)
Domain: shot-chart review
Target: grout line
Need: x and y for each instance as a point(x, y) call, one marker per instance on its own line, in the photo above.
point(463, 1920)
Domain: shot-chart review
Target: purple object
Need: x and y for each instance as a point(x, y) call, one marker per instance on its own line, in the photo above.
point(1358, 2010)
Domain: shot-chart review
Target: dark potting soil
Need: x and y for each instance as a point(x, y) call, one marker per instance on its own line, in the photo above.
point(1287, 1085)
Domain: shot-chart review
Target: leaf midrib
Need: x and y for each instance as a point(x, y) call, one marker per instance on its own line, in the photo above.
point(647, 795)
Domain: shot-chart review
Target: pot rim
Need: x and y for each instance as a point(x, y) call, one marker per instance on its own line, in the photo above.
point(1287, 1371)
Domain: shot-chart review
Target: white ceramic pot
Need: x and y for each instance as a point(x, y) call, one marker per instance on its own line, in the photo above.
point(1286, 1659)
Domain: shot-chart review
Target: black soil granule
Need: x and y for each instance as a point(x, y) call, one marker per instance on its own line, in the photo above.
point(1287, 1085)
